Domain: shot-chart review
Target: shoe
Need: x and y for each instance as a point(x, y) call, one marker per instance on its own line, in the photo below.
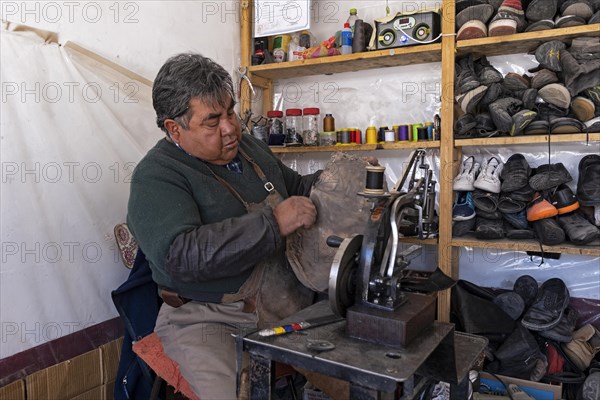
point(514, 82)
point(541, 9)
point(468, 101)
point(509, 19)
point(464, 125)
point(548, 176)
point(580, 8)
point(489, 228)
point(563, 332)
point(486, 72)
point(529, 98)
point(566, 125)
point(477, 12)
point(578, 76)
point(494, 92)
point(583, 108)
point(568, 20)
point(542, 78)
point(593, 93)
point(548, 231)
point(485, 201)
point(548, 112)
point(461, 228)
point(515, 173)
point(594, 19)
point(518, 354)
point(591, 386)
point(466, 79)
point(489, 176)
point(496, 214)
point(508, 205)
point(579, 230)
point(593, 125)
point(585, 48)
point(511, 303)
point(584, 346)
point(464, 4)
point(548, 55)
point(472, 30)
point(542, 25)
point(463, 208)
point(484, 122)
point(548, 307)
point(564, 200)
point(527, 287)
point(525, 194)
point(463, 182)
point(538, 127)
point(519, 234)
point(557, 94)
point(520, 122)
point(588, 184)
point(517, 220)
point(502, 110)
point(540, 208)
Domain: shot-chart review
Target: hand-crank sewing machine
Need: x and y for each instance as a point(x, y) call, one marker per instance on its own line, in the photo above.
point(388, 338)
point(365, 281)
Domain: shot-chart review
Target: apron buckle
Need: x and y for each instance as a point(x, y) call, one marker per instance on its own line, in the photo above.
point(269, 187)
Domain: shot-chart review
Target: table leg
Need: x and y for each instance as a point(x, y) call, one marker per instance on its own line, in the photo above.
point(362, 393)
point(261, 377)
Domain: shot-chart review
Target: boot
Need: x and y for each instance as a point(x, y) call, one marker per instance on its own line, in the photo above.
point(502, 111)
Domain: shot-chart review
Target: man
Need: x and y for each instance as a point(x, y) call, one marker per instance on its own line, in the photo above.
point(210, 207)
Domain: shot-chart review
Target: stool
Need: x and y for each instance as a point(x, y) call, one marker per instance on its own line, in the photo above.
point(150, 350)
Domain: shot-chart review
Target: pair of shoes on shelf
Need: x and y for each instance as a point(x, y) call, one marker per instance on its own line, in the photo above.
point(472, 21)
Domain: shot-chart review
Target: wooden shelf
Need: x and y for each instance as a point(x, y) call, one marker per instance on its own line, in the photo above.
point(416, 240)
point(528, 139)
point(358, 147)
point(522, 42)
point(526, 245)
point(350, 62)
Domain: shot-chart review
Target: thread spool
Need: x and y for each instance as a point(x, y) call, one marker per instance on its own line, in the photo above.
point(371, 135)
point(422, 133)
point(389, 136)
point(415, 132)
point(396, 129)
point(345, 136)
point(381, 134)
point(375, 177)
point(429, 126)
point(359, 43)
point(403, 132)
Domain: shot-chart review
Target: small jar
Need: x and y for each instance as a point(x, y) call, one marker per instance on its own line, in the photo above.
point(276, 128)
point(310, 123)
point(293, 127)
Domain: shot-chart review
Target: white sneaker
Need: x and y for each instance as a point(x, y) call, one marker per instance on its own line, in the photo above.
point(465, 178)
point(489, 177)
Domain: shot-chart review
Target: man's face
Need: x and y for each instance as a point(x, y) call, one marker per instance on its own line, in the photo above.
point(213, 133)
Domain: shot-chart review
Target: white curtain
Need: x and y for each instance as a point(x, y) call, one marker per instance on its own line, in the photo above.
point(72, 130)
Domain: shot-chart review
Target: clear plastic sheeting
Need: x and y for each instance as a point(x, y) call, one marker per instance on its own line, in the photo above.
point(72, 130)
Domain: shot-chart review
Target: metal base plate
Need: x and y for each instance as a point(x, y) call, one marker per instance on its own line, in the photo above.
point(393, 328)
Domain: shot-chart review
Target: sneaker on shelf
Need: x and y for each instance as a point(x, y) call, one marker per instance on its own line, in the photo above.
point(583, 108)
point(540, 208)
point(542, 78)
point(502, 110)
point(548, 307)
point(466, 78)
point(548, 231)
point(593, 125)
point(568, 20)
point(548, 55)
point(557, 94)
point(564, 200)
point(580, 8)
point(563, 332)
point(517, 220)
point(520, 121)
point(509, 19)
point(566, 125)
point(537, 127)
point(469, 100)
point(542, 25)
point(548, 176)
point(489, 176)
point(486, 72)
point(461, 228)
point(579, 230)
point(463, 207)
point(515, 173)
point(463, 182)
point(538, 10)
point(472, 30)
point(477, 12)
point(489, 228)
point(588, 183)
point(485, 201)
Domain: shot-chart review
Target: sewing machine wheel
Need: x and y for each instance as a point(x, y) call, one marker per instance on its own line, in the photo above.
point(342, 283)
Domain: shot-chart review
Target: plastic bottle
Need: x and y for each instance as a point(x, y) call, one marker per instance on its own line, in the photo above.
point(352, 18)
point(346, 39)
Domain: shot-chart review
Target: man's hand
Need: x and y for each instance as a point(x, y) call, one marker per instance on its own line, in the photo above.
point(293, 213)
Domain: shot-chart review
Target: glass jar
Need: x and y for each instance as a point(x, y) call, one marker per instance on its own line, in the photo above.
point(293, 127)
point(276, 128)
point(310, 123)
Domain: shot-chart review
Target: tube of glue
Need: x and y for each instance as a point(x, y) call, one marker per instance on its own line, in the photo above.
point(299, 326)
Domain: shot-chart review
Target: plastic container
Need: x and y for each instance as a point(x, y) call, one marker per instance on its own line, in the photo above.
point(352, 18)
point(280, 47)
point(327, 138)
point(293, 127)
point(276, 128)
point(346, 38)
point(310, 124)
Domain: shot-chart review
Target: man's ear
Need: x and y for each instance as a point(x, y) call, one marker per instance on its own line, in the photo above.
point(173, 128)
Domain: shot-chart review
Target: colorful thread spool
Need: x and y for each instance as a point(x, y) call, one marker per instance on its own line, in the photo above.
point(415, 132)
point(403, 132)
point(371, 135)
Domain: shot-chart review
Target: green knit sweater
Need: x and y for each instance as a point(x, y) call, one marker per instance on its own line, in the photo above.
point(173, 193)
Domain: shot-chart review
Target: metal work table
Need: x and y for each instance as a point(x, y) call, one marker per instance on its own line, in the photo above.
point(371, 369)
